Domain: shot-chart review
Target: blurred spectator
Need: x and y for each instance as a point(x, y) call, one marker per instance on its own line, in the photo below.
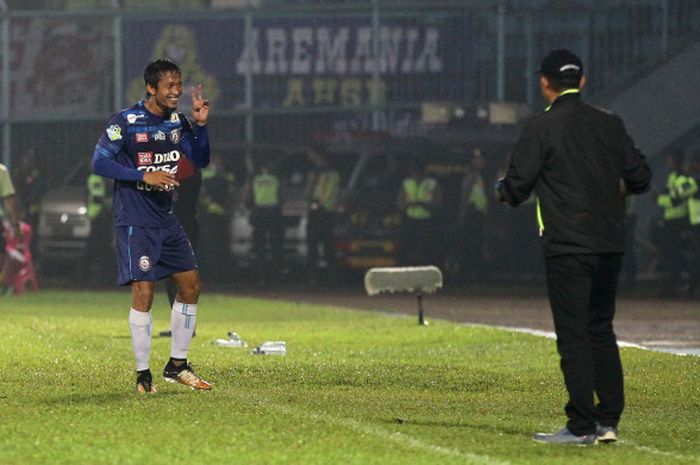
point(30, 186)
point(473, 208)
point(263, 197)
point(217, 186)
point(9, 212)
point(323, 192)
point(674, 202)
point(419, 199)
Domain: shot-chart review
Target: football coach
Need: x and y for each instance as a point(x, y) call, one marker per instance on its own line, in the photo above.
point(581, 163)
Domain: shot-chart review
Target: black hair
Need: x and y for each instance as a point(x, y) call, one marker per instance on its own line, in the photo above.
point(560, 85)
point(157, 69)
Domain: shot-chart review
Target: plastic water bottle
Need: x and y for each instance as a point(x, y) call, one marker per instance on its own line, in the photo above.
point(234, 340)
point(271, 348)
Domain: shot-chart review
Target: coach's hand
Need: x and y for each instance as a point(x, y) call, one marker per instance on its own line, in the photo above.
point(200, 106)
point(162, 179)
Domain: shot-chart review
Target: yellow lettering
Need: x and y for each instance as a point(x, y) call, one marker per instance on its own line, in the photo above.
point(381, 91)
point(324, 91)
point(295, 93)
point(350, 90)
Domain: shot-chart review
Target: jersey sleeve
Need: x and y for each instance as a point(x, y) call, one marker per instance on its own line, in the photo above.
point(110, 143)
point(195, 142)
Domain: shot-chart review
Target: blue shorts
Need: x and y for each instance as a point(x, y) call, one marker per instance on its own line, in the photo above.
point(150, 254)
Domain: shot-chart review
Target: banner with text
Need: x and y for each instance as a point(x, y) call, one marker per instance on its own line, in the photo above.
point(308, 62)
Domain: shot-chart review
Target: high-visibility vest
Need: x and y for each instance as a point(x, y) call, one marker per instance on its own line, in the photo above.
point(97, 193)
point(419, 197)
point(266, 190)
point(477, 196)
point(694, 204)
point(675, 201)
point(326, 189)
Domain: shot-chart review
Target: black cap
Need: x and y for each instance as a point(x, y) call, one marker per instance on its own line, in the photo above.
point(562, 65)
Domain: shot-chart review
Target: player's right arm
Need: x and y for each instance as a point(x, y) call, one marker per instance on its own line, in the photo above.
point(110, 143)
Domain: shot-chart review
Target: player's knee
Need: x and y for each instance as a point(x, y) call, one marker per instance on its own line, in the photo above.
point(189, 292)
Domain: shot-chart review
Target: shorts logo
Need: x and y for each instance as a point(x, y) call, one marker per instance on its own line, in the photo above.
point(144, 158)
point(160, 135)
point(141, 137)
point(175, 136)
point(144, 263)
point(114, 132)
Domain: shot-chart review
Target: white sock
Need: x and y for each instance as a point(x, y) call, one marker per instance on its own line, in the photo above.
point(140, 324)
point(182, 322)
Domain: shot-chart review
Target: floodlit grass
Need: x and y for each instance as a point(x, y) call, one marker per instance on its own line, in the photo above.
point(354, 388)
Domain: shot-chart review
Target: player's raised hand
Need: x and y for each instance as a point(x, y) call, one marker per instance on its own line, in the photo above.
point(200, 106)
point(163, 179)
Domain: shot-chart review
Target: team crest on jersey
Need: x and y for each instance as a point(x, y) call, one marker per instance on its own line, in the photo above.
point(141, 137)
point(160, 135)
point(174, 118)
point(114, 132)
point(175, 136)
point(144, 158)
point(144, 263)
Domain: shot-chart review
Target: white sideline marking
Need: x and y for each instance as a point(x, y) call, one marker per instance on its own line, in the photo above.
point(395, 437)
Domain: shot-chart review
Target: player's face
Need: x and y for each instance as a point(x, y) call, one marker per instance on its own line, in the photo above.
point(168, 92)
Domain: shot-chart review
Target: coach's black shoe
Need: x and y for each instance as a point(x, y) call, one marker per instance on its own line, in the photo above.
point(144, 382)
point(184, 374)
point(566, 437)
point(606, 434)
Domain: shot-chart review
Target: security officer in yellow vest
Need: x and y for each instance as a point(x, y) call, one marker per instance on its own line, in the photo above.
point(674, 202)
point(473, 207)
point(266, 218)
point(214, 247)
point(323, 192)
point(99, 255)
point(419, 199)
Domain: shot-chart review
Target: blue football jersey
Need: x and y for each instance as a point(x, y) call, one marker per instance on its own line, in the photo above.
point(139, 141)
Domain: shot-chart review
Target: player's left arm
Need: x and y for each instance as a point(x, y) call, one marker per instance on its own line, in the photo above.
point(195, 141)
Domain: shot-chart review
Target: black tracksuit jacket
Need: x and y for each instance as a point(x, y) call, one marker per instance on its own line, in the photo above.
point(576, 158)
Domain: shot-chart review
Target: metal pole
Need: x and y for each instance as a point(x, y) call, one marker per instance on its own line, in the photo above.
point(501, 52)
point(248, 86)
point(6, 104)
point(376, 117)
point(118, 62)
point(421, 312)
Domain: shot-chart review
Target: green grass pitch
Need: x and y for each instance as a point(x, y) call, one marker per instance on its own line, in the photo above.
point(355, 388)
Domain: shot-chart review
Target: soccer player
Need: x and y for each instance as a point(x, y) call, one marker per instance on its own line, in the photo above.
point(140, 150)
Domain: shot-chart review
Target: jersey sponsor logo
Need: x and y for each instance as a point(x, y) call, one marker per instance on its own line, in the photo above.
point(160, 162)
point(160, 135)
point(132, 117)
point(114, 132)
point(144, 263)
point(141, 137)
point(144, 158)
point(175, 136)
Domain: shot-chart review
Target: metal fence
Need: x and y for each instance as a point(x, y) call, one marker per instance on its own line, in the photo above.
point(289, 73)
